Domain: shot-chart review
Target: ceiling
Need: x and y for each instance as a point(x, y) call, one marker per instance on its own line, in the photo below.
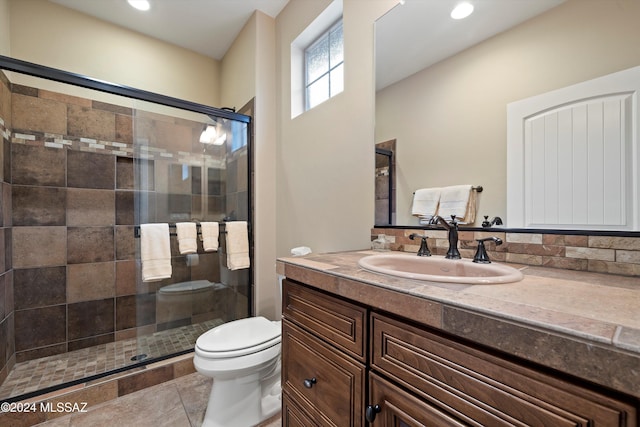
point(204, 26)
point(420, 33)
point(421, 28)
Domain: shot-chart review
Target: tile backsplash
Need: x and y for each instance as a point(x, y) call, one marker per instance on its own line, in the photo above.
point(597, 253)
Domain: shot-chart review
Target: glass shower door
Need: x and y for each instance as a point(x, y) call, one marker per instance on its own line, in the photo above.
point(189, 168)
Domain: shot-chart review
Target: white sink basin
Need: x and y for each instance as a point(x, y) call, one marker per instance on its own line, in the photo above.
point(439, 269)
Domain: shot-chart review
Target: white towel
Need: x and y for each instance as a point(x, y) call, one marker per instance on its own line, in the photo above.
point(155, 252)
point(425, 203)
point(209, 232)
point(458, 200)
point(237, 245)
point(187, 235)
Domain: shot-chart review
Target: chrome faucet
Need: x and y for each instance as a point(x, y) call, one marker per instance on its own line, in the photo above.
point(452, 228)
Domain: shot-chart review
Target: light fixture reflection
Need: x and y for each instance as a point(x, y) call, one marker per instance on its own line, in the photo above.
point(208, 135)
point(462, 10)
point(140, 4)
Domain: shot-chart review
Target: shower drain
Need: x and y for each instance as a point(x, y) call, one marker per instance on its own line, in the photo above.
point(138, 357)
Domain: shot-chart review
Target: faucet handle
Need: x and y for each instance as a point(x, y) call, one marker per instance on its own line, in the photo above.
point(424, 249)
point(481, 255)
point(495, 221)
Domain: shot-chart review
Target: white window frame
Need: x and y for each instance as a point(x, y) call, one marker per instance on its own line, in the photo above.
point(326, 19)
point(307, 84)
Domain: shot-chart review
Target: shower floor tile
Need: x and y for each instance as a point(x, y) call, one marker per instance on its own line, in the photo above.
point(51, 371)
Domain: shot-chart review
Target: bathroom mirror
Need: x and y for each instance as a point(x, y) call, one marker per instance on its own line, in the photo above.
point(448, 115)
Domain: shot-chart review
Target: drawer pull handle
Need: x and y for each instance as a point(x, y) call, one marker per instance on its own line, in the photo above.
point(308, 383)
point(371, 411)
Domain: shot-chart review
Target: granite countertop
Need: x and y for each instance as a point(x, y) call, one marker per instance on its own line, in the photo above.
point(584, 324)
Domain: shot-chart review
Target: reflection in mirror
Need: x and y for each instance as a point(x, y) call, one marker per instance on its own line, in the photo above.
point(385, 186)
point(449, 116)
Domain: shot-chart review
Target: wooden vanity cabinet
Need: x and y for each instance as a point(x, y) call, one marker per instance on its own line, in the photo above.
point(346, 365)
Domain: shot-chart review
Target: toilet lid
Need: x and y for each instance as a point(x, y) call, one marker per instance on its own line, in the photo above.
point(239, 334)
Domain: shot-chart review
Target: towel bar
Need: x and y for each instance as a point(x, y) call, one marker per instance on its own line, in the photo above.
point(477, 189)
point(136, 230)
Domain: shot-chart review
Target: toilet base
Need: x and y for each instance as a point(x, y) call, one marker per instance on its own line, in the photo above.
point(271, 403)
point(243, 402)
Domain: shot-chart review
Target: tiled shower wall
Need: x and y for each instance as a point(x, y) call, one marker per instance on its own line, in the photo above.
point(69, 208)
point(597, 253)
point(7, 336)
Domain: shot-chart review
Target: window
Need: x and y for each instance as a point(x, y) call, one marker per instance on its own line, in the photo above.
point(324, 67)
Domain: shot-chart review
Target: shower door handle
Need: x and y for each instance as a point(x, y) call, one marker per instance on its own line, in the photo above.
point(308, 383)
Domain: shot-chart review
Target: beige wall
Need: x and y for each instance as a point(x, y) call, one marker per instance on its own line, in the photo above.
point(450, 119)
point(238, 67)
point(4, 28)
point(267, 296)
point(48, 34)
point(325, 158)
point(248, 71)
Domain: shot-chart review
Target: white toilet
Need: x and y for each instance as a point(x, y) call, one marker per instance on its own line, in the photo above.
point(243, 358)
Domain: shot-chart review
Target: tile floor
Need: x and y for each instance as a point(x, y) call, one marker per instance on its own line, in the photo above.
point(178, 403)
point(49, 371)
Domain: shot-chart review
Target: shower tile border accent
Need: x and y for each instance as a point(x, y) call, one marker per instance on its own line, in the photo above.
point(600, 254)
point(115, 148)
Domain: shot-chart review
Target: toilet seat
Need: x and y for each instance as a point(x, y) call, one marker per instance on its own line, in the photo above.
point(238, 338)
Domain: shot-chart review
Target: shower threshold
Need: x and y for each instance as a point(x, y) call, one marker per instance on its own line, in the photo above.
point(32, 376)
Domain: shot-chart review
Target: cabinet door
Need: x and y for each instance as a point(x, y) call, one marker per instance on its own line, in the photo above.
point(488, 390)
point(322, 380)
point(293, 416)
point(397, 408)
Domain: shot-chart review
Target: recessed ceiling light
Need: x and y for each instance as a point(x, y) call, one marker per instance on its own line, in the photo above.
point(462, 10)
point(140, 4)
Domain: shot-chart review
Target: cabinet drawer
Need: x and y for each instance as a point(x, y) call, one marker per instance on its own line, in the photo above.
point(399, 408)
point(339, 322)
point(489, 390)
point(321, 379)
